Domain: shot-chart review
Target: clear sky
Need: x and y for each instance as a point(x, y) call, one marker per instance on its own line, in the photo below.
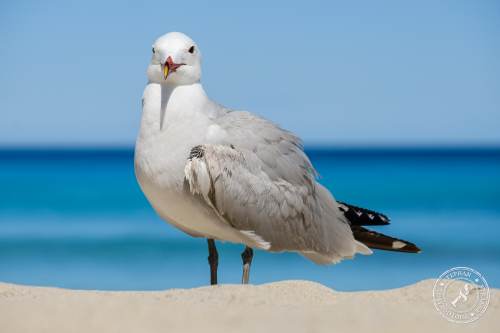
point(335, 72)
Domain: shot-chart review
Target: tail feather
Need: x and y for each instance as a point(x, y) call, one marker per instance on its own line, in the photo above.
point(362, 216)
point(380, 241)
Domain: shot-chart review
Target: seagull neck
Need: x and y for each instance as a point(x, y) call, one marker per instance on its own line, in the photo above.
point(184, 98)
point(164, 105)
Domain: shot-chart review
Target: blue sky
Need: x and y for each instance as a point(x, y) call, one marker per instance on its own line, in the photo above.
point(335, 72)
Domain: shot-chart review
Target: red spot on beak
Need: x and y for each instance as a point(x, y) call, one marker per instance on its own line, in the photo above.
point(172, 66)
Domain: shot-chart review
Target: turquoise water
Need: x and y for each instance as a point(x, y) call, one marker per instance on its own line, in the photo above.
point(77, 219)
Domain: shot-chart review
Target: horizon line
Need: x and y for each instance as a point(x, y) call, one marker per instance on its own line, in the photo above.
point(307, 146)
point(127, 151)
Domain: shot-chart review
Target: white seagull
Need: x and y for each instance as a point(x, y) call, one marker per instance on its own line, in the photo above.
point(230, 175)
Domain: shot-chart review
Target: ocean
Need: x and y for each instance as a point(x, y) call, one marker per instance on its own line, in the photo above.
point(76, 218)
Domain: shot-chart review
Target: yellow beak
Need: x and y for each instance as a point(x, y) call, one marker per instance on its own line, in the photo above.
point(165, 71)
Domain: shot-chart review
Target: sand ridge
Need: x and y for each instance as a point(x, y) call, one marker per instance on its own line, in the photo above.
point(291, 306)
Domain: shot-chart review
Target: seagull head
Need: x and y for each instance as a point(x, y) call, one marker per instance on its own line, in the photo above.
point(176, 60)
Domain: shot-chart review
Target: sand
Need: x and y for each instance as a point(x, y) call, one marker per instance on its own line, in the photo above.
point(288, 306)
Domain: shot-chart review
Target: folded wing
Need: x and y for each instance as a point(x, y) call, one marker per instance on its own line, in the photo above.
point(284, 215)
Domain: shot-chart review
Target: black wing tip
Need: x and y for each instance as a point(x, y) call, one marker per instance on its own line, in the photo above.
point(408, 247)
point(380, 241)
point(362, 216)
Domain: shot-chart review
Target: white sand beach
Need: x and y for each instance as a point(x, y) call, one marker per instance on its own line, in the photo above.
point(287, 306)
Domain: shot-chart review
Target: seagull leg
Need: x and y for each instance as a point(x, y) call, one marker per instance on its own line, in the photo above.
point(213, 260)
point(247, 256)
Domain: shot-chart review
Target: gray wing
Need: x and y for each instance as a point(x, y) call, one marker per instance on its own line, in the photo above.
point(285, 215)
point(280, 152)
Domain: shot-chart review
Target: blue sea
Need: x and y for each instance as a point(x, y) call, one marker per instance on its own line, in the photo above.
point(76, 218)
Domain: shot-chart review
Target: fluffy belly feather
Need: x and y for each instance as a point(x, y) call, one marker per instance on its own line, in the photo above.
point(165, 191)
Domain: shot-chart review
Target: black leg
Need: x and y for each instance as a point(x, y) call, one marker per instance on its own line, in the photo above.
point(213, 261)
point(247, 256)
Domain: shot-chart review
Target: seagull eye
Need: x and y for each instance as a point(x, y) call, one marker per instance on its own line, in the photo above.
point(191, 49)
point(153, 50)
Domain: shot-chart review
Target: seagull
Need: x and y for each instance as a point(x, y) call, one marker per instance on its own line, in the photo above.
point(230, 175)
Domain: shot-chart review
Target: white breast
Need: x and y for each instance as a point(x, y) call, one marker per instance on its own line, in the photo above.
point(172, 123)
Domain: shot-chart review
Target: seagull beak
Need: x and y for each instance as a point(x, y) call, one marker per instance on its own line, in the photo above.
point(169, 67)
point(166, 70)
